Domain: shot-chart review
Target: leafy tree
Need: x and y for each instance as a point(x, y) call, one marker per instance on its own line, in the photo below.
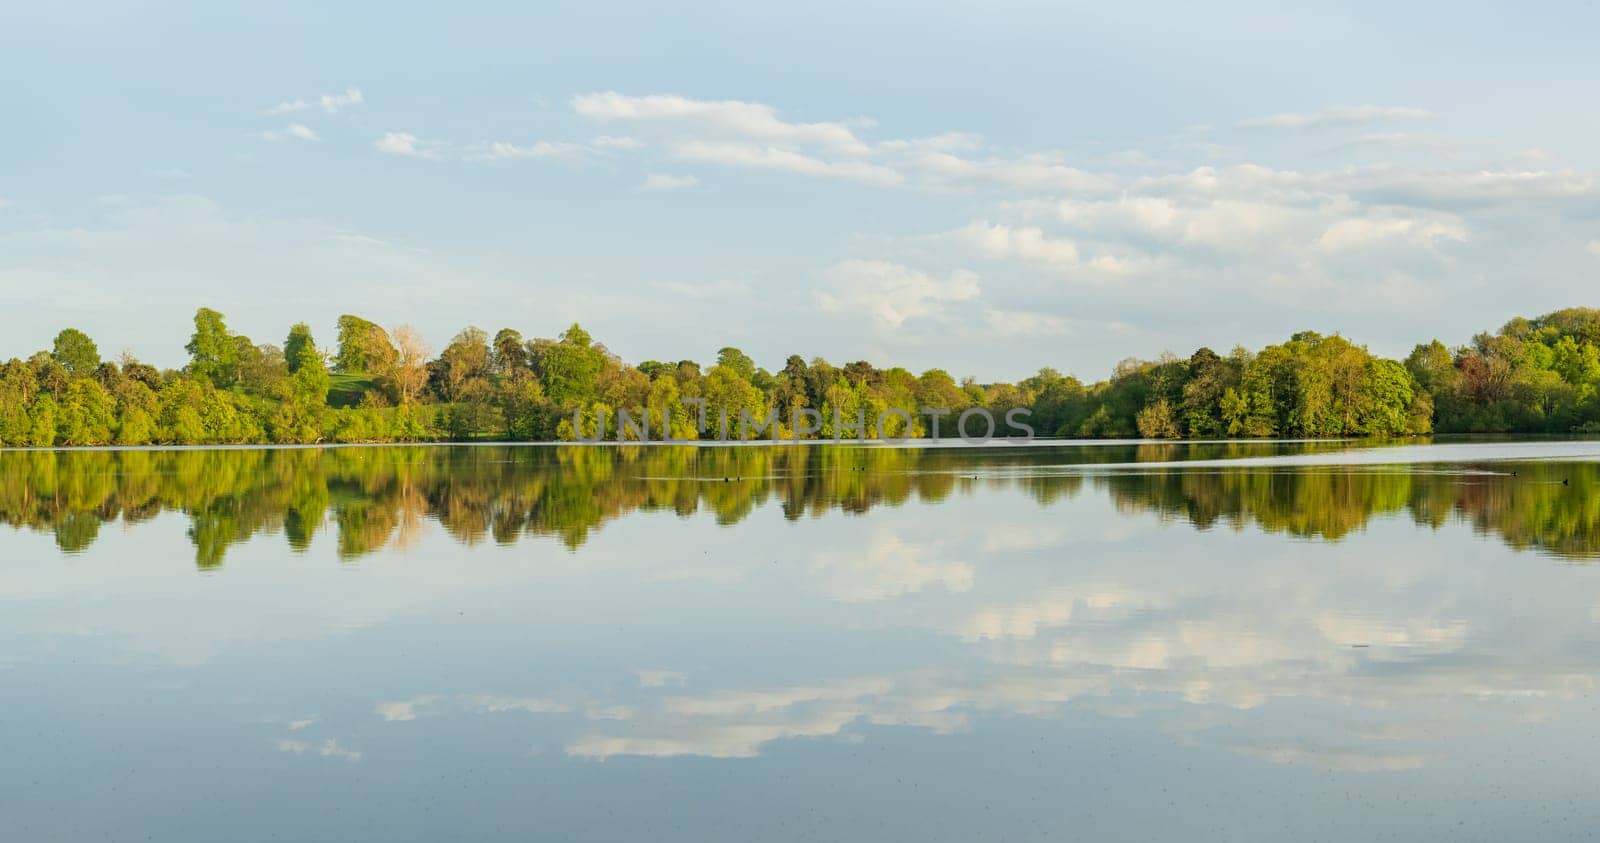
point(1209, 377)
point(1535, 375)
point(295, 346)
point(363, 347)
point(737, 361)
point(727, 394)
point(86, 415)
point(145, 373)
point(18, 386)
point(463, 361)
point(575, 335)
point(51, 376)
point(408, 373)
point(212, 352)
point(524, 410)
point(568, 369)
point(653, 369)
point(261, 368)
point(509, 352)
point(42, 422)
point(1158, 421)
point(1575, 362)
point(137, 407)
point(937, 390)
point(76, 353)
point(1384, 407)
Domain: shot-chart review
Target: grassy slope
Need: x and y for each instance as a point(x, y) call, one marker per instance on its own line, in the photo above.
point(348, 387)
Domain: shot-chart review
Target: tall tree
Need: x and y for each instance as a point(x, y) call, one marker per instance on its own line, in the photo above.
point(305, 401)
point(76, 353)
point(408, 374)
point(509, 353)
point(212, 353)
point(569, 368)
point(363, 346)
point(463, 361)
point(738, 361)
point(575, 335)
point(294, 347)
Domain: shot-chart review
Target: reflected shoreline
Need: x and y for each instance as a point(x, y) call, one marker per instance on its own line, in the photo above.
point(375, 497)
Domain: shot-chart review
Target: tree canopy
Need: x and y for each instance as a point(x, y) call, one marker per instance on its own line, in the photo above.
point(1538, 374)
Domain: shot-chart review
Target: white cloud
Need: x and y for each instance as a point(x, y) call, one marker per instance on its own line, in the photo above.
point(892, 294)
point(1445, 188)
point(887, 567)
point(506, 151)
point(1020, 537)
point(493, 704)
point(751, 135)
point(329, 748)
point(1338, 115)
point(1243, 211)
point(998, 240)
point(1032, 173)
point(1023, 323)
point(659, 678)
point(755, 157)
point(747, 120)
point(408, 145)
point(662, 182)
point(330, 103)
point(407, 710)
point(1360, 232)
point(1091, 603)
point(1392, 141)
point(947, 142)
point(611, 142)
point(293, 131)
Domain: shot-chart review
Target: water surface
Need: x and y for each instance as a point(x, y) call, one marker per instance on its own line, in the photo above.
point(1256, 641)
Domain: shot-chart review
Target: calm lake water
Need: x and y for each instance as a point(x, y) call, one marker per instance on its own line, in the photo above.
point(1288, 641)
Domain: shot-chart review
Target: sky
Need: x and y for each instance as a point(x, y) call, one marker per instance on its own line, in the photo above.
point(988, 188)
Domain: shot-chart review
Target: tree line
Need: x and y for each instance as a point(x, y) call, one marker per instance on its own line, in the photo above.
point(385, 385)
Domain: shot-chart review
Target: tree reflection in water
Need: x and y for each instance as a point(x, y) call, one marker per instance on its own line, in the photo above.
point(372, 498)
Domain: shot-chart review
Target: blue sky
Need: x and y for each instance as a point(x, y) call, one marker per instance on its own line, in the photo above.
point(989, 188)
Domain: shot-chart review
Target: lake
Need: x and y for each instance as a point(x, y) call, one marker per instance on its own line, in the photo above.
point(1203, 641)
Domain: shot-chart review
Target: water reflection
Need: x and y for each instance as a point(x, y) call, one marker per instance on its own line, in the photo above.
point(840, 643)
point(375, 498)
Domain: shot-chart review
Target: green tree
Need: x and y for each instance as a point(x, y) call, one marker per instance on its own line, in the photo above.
point(260, 369)
point(86, 415)
point(294, 347)
point(509, 353)
point(300, 413)
point(76, 353)
point(363, 347)
point(463, 362)
point(568, 369)
point(42, 422)
point(737, 361)
point(727, 394)
point(1158, 420)
point(18, 387)
point(212, 352)
point(575, 335)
